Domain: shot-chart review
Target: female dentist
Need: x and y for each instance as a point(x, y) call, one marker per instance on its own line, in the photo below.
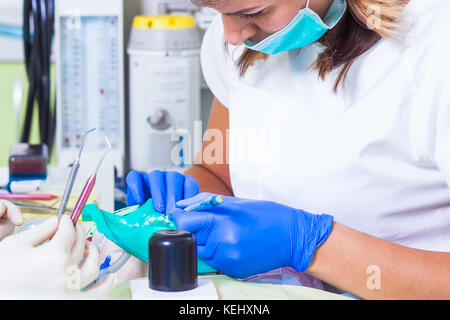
point(335, 119)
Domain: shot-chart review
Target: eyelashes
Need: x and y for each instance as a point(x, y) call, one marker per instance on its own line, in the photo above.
point(252, 15)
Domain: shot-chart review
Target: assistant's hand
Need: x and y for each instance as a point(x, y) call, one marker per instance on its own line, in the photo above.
point(10, 217)
point(244, 237)
point(50, 260)
point(166, 188)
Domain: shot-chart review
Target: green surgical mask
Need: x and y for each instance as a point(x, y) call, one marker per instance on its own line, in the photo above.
point(132, 227)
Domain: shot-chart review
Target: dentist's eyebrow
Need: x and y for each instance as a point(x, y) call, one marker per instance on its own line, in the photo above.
point(212, 3)
point(245, 11)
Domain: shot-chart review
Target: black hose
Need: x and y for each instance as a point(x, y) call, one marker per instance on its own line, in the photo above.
point(38, 36)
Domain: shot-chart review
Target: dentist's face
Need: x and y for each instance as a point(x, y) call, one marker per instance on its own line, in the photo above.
point(258, 19)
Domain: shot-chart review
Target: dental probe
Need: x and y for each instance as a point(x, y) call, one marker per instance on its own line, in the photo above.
point(90, 183)
point(72, 176)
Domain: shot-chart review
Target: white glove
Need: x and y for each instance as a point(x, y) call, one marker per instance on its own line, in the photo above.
point(10, 217)
point(44, 263)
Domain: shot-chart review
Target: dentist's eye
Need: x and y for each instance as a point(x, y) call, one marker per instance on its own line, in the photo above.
point(252, 15)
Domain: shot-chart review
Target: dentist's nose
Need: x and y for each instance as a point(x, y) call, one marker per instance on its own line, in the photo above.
point(237, 31)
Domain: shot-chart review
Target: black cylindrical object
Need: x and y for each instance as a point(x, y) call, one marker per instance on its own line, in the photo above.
point(173, 261)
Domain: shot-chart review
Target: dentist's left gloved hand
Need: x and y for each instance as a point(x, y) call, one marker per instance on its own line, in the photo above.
point(164, 187)
point(242, 237)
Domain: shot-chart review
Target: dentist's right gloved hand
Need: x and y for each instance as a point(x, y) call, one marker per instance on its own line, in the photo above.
point(244, 237)
point(165, 188)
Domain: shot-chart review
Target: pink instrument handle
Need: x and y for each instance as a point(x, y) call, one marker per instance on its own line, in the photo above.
point(84, 196)
point(20, 196)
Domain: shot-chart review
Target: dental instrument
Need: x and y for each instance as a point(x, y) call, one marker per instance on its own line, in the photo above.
point(206, 204)
point(35, 206)
point(27, 196)
point(72, 176)
point(90, 183)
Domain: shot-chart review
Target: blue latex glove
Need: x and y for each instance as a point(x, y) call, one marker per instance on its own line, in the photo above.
point(166, 188)
point(242, 237)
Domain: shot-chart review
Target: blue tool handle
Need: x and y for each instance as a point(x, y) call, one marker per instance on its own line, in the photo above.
point(207, 204)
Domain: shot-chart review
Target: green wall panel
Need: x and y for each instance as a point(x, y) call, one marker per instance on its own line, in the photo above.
point(9, 72)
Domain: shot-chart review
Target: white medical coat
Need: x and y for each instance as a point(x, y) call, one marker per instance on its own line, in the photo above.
point(376, 155)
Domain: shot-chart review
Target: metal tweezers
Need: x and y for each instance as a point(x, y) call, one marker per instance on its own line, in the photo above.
point(36, 206)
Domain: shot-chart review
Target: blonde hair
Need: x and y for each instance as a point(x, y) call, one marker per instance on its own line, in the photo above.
point(382, 16)
point(365, 23)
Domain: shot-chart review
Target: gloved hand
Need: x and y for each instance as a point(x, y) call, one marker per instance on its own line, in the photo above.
point(33, 267)
point(10, 217)
point(166, 188)
point(242, 237)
